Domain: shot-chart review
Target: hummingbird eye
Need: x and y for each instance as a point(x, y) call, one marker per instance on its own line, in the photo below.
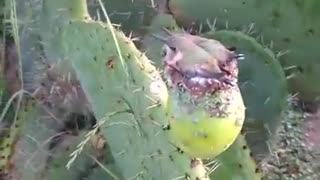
point(232, 48)
point(173, 48)
point(163, 52)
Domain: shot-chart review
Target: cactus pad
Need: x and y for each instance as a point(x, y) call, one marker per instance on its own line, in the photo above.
point(263, 86)
point(128, 95)
point(236, 163)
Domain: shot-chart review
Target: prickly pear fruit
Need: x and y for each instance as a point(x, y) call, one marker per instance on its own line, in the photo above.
point(207, 107)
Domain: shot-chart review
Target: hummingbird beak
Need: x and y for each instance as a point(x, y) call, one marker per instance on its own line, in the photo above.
point(159, 38)
point(232, 48)
point(162, 38)
point(166, 31)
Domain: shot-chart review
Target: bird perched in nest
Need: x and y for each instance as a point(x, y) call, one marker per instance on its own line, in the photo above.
point(206, 106)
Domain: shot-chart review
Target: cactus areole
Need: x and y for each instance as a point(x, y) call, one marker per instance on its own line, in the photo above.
point(207, 108)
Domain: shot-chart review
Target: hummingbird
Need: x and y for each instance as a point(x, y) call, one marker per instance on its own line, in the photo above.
point(212, 46)
point(198, 63)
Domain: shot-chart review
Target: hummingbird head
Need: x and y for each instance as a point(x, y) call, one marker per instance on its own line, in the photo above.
point(173, 50)
point(198, 76)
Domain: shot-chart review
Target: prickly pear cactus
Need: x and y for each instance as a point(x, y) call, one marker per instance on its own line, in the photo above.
point(236, 163)
point(55, 50)
point(274, 23)
point(263, 86)
point(2, 14)
point(130, 113)
point(45, 72)
point(126, 94)
point(55, 15)
point(220, 167)
point(88, 164)
point(9, 146)
point(8, 115)
point(131, 16)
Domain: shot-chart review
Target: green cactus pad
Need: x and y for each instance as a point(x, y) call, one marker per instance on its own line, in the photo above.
point(44, 70)
point(263, 86)
point(56, 167)
point(43, 20)
point(236, 163)
point(40, 34)
point(40, 37)
point(8, 145)
point(290, 25)
point(131, 16)
point(128, 95)
point(105, 167)
point(4, 91)
point(83, 167)
point(55, 15)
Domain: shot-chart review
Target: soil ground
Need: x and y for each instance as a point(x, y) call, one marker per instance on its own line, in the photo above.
point(296, 154)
